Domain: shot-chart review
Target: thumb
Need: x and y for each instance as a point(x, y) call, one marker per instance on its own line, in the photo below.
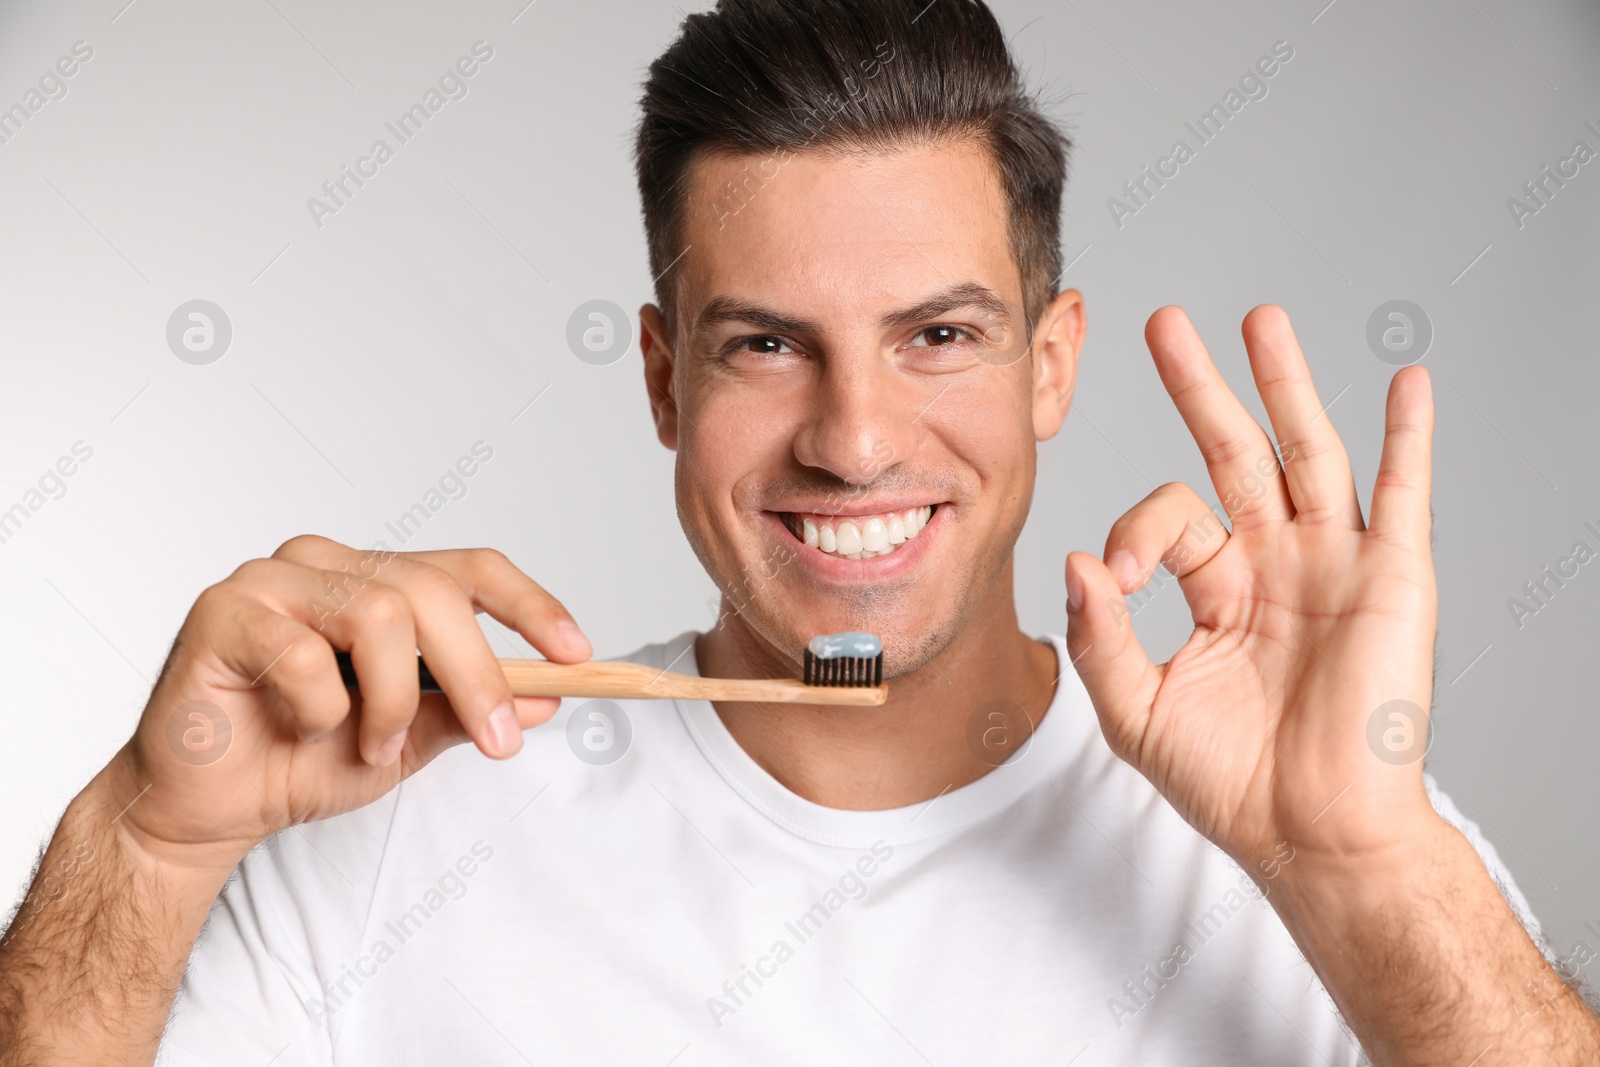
point(437, 727)
point(1120, 678)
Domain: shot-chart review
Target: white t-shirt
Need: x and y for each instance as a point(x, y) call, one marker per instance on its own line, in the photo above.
point(679, 906)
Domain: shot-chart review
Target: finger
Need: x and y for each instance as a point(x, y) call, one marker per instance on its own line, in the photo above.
point(481, 578)
point(1120, 678)
point(351, 569)
point(445, 630)
point(459, 656)
point(494, 583)
point(484, 575)
point(264, 647)
point(1317, 469)
point(1171, 527)
point(1401, 511)
point(1237, 451)
point(376, 624)
point(372, 620)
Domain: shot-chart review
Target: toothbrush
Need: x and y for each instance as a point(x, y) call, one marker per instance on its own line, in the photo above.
point(839, 669)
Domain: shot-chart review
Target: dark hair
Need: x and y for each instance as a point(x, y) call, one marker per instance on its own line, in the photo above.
point(852, 75)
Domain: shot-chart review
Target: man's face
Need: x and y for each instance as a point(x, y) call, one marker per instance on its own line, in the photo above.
point(851, 392)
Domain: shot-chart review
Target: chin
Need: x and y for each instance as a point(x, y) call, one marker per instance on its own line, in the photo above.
point(913, 629)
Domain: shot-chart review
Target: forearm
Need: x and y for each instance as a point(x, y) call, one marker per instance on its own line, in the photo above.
point(1428, 963)
point(92, 960)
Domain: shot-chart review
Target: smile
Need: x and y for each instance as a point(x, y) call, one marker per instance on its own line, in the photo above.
point(858, 536)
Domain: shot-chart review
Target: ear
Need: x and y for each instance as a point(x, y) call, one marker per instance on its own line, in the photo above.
point(656, 345)
point(1057, 340)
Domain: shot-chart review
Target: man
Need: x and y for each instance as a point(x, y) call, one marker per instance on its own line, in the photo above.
point(856, 347)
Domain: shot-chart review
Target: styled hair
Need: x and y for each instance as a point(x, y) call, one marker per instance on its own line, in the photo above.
point(770, 76)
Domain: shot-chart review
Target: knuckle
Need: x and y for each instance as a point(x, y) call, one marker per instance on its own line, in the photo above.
point(215, 602)
point(1396, 479)
point(304, 659)
point(1317, 515)
point(302, 546)
point(1223, 452)
point(1309, 448)
point(490, 559)
point(1175, 491)
point(1121, 528)
point(495, 566)
point(254, 572)
point(436, 583)
point(383, 607)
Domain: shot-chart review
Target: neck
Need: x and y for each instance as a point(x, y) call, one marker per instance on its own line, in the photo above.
point(916, 746)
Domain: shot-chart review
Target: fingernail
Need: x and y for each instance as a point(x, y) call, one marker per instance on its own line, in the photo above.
point(573, 637)
point(1074, 591)
point(505, 735)
point(389, 751)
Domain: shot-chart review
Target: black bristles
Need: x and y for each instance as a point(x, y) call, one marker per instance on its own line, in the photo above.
point(843, 670)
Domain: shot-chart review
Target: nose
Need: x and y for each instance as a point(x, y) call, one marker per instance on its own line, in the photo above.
point(863, 417)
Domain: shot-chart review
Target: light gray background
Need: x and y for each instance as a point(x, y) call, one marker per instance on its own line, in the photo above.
point(370, 353)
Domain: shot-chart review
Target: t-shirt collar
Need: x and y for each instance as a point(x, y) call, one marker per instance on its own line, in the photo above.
point(1044, 754)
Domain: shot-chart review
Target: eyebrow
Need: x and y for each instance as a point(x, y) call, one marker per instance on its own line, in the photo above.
point(723, 309)
point(964, 295)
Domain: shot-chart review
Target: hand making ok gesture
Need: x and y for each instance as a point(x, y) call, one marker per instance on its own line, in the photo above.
point(1309, 621)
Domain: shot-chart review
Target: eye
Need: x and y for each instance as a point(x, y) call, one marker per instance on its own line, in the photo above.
point(939, 336)
point(762, 345)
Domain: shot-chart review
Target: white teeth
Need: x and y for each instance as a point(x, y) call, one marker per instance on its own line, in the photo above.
point(863, 537)
point(848, 538)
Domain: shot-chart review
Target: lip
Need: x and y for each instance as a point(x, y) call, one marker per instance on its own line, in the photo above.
point(831, 568)
point(876, 506)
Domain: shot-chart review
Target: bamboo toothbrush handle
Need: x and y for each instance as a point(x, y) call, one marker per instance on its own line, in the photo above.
point(633, 681)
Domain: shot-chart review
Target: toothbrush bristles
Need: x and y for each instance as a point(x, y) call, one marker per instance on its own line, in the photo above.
point(843, 670)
